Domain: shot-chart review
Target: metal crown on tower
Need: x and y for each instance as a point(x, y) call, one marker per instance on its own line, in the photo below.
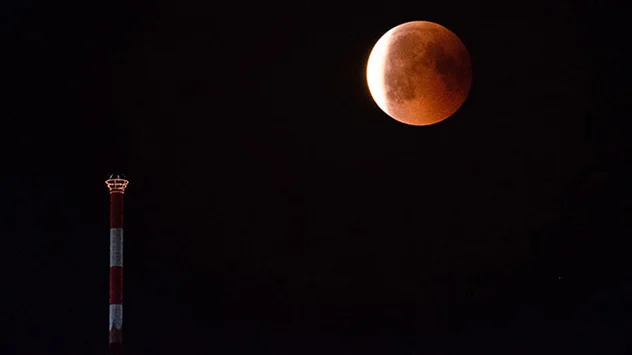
point(117, 183)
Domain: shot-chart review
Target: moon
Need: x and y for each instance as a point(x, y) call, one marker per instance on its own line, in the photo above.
point(419, 73)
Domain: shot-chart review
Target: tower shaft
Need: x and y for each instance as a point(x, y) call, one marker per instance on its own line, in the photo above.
point(117, 185)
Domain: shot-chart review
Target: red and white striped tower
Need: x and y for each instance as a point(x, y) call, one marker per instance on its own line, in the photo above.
point(117, 184)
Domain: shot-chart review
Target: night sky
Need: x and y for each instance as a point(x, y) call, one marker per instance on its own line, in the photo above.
point(273, 208)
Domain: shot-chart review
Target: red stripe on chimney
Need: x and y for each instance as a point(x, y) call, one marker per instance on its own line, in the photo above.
point(116, 285)
point(116, 210)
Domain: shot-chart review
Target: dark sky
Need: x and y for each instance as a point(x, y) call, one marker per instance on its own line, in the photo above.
point(274, 209)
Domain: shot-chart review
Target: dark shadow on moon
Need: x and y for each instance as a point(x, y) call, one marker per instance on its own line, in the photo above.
point(402, 78)
point(447, 66)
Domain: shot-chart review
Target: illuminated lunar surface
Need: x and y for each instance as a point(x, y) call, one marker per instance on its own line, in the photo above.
point(419, 73)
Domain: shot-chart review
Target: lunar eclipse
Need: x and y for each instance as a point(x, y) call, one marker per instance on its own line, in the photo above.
point(419, 73)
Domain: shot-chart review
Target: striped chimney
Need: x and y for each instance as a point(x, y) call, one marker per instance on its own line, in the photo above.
point(117, 184)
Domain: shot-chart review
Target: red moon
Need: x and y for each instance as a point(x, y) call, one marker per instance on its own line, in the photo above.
point(419, 73)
